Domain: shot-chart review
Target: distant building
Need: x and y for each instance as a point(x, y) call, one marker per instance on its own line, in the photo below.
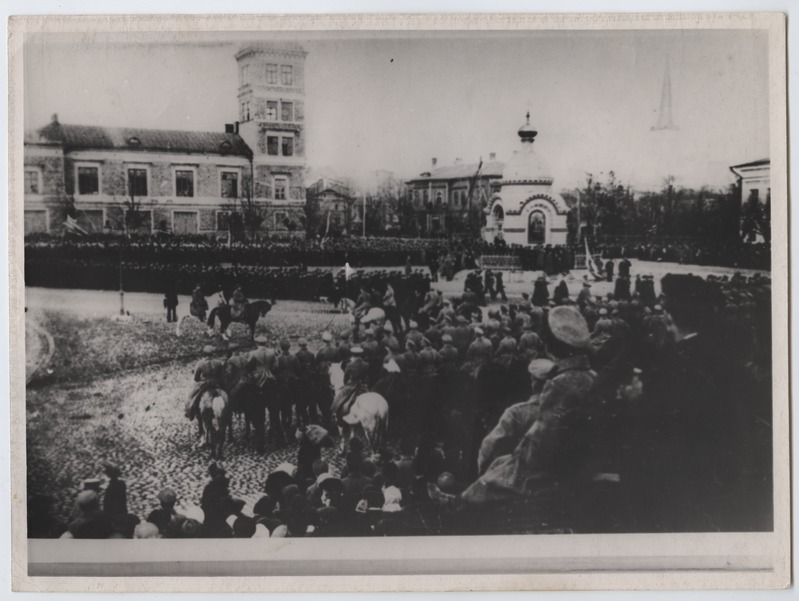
point(187, 182)
point(445, 199)
point(525, 209)
point(333, 200)
point(754, 186)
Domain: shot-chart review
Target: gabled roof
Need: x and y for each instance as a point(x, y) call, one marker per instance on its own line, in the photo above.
point(91, 137)
point(463, 171)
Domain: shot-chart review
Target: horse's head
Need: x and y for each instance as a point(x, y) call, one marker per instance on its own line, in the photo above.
point(264, 307)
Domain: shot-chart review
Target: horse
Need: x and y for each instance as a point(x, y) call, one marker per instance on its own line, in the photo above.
point(370, 410)
point(214, 415)
point(250, 315)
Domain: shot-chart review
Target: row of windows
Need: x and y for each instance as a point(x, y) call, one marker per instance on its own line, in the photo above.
point(183, 222)
point(459, 197)
point(268, 112)
point(88, 182)
point(269, 73)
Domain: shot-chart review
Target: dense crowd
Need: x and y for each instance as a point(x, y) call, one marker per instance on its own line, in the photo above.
point(555, 413)
point(103, 253)
point(693, 252)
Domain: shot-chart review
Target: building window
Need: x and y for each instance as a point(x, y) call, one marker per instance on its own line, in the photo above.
point(244, 73)
point(185, 222)
point(287, 75)
point(271, 110)
point(280, 220)
point(230, 184)
point(32, 183)
point(286, 111)
point(88, 180)
point(184, 182)
point(287, 144)
point(35, 221)
point(139, 221)
point(438, 200)
point(272, 143)
point(242, 111)
point(281, 186)
point(223, 220)
point(425, 196)
point(137, 182)
point(271, 74)
point(91, 221)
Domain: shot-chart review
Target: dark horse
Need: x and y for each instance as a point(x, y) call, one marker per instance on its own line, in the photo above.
point(250, 315)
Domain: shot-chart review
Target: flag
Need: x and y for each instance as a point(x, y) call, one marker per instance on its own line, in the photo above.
point(589, 262)
point(71, 225)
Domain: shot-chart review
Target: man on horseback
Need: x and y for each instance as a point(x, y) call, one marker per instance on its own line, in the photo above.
point(356, 378)
point(209, 374)
point(237, 303)
point(199, 306)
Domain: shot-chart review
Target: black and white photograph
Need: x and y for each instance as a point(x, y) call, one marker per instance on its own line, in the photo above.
point(412, 285)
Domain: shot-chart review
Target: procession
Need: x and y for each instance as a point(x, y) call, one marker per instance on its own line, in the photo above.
point(223, 340)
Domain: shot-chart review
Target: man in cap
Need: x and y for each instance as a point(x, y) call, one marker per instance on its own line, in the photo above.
point(516, 420)
point(344, 345)
point(199, 306)
point(306, 372)
point(89, 522)
point(609, 266)
point(556, 445)
point(237, 303)
point(584, 296)
point(209, 373)
point(541, 292)
point(356, 378)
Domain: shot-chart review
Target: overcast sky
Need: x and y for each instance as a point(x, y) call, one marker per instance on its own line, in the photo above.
point(393, 101)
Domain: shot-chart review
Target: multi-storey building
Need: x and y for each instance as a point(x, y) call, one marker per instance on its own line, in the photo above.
point(448, 198)
point(187, 182)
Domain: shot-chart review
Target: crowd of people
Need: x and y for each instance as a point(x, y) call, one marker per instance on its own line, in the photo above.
point(690, 252)
point(555, 412)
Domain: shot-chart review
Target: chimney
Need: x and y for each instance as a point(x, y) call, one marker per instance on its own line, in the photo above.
point(492, 156)
point(54, 118)
point(229, 128)
point(236, 127)
point(434, 162)
point(458, 161)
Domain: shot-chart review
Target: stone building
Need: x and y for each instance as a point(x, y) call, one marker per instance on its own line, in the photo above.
point(187, 182)
point(451, 198)
point(332, 201)
point(525, 209)
point(753, 186)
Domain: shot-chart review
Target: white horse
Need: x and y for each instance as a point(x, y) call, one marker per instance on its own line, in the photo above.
point(370, 410)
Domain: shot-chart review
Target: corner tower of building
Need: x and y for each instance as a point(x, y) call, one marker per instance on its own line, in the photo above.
point(272, 122)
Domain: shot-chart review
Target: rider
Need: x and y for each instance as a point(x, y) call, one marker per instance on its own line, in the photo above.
point(209, 373)
point(356, 377)
point(237, 303)
point(199, 306)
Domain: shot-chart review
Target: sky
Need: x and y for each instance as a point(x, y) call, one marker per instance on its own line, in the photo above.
point(394, 100)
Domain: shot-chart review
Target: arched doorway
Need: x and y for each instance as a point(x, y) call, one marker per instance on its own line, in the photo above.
point(537, 228)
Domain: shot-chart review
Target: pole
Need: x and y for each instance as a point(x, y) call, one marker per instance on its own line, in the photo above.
point(364, 215)
point(579, 216)
point(121, 291)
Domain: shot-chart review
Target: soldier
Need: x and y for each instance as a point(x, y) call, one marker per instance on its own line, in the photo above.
point(584, 298)
point(237, 303)
point(604, 326)
point(306, 372)
point(500, 287)
point(356, 378)
point(414, 334)
point(344, 346)
point(489, 284)
point(286, 375)
point(209, 373)
point(624, 267)
point(609, 269)
point(199, 306)
point(326, 356)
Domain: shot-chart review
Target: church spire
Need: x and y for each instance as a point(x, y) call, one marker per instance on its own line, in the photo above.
point(665, 120)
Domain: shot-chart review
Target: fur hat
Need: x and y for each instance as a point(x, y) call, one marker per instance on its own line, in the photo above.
point(569, 327)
